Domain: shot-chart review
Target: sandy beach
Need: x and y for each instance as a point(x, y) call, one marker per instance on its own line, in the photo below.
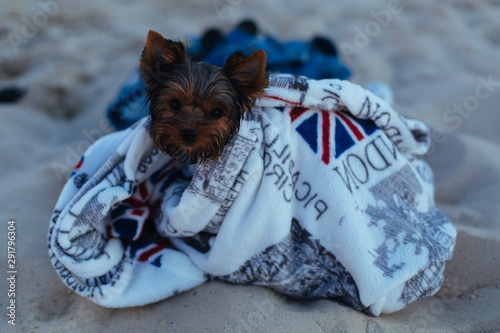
point(441, 59)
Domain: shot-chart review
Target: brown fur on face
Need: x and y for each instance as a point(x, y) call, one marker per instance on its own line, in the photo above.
point(196, 108)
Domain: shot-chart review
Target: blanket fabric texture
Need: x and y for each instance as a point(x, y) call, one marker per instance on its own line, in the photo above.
point(322, 194)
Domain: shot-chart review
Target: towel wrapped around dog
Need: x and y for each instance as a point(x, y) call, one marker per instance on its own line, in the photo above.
point(320, 195)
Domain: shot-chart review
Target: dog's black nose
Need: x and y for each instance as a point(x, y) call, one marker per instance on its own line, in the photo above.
point(188, 135)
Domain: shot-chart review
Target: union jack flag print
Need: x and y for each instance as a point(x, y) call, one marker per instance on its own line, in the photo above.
point(329, 133)
point(133, 219)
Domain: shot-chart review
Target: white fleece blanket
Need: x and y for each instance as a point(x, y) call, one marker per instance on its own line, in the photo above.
point(320, 195)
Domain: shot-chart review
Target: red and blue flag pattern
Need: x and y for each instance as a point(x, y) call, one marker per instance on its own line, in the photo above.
point(329, 133)
point(133, 219)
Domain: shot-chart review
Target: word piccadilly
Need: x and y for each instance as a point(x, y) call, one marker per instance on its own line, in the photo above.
point(279, 165)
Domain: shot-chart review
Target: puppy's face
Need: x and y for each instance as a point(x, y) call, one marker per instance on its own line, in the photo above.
point(196, 108)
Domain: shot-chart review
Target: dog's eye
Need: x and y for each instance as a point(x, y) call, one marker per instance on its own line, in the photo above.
point(175, 105)
point(215, 113)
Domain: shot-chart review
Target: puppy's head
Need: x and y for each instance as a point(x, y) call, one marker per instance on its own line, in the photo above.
point(196, 108)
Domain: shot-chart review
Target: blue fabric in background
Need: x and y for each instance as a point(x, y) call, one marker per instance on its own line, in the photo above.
point(316, 59)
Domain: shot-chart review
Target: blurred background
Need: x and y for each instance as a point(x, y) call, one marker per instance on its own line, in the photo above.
point(64, 62)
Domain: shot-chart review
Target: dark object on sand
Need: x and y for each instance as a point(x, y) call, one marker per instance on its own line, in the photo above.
point(11, 94)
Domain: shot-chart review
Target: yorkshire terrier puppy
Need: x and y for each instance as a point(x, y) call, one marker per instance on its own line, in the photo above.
point(196, 108)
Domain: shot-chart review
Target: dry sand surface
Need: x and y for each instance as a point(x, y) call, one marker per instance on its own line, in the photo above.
point(441, 58)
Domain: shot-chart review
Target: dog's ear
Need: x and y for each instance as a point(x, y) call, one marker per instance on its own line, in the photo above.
point(248, 76)
point(157, 53)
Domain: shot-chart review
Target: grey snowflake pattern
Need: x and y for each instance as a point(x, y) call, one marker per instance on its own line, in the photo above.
point(402, 224)
point(424, 284)
point(299, 266)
